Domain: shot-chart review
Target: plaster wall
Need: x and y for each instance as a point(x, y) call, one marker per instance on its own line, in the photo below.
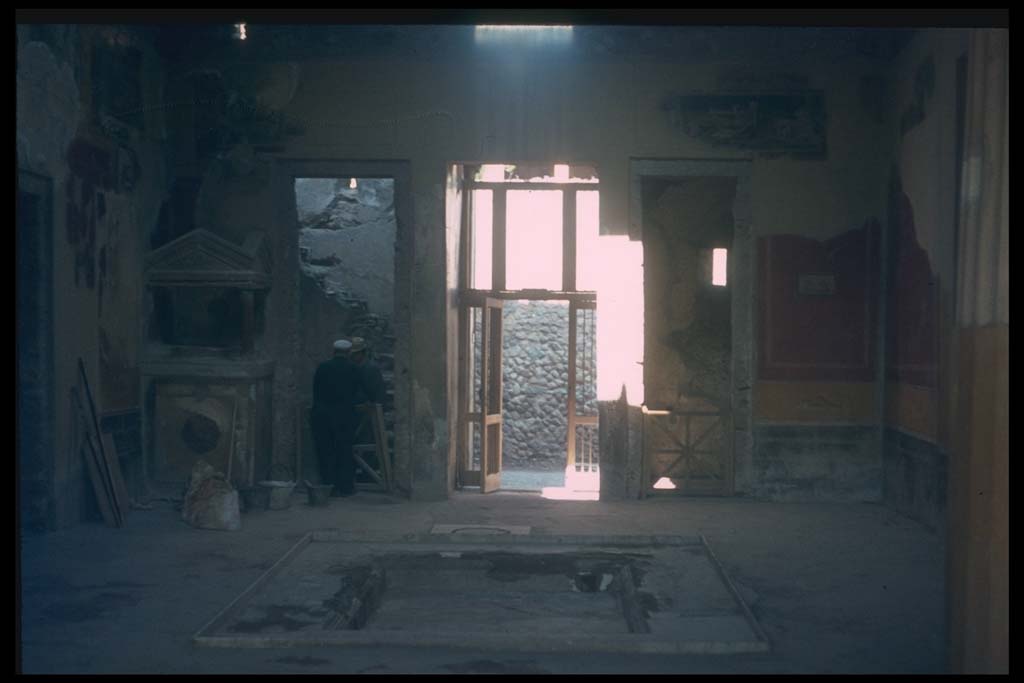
point(816, 404)
point(430, 110)
point(109, 180)
point(242, 194)
point(517, 106)
point(921, 276)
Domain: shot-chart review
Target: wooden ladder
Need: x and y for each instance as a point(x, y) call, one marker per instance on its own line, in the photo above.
point(382, 475)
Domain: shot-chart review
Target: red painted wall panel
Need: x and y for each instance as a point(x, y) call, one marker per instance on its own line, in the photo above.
point(818, 306)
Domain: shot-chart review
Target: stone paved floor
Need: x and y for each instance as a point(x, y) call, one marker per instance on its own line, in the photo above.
point(838, 588)
point(530, 480)
point(535, 480)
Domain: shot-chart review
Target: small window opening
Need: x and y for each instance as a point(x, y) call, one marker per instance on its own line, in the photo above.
point(719, 258)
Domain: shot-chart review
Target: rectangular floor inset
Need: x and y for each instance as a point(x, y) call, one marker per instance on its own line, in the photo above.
point(537, 593)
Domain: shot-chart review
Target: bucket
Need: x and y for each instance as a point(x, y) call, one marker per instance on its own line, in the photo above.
point(319, 495)
point(280, 493)
point(255, 498)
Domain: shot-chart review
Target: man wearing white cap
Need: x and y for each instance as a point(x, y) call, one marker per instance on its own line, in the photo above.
point(373, 378)
point(337, 385)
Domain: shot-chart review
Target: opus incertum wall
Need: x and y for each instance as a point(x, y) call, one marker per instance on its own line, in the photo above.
point(535, 356)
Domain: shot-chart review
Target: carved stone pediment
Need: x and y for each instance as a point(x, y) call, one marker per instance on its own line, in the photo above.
point(201, 258)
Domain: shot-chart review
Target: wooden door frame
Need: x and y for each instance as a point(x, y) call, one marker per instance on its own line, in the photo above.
point(489, 357)
point(470, 299)
point(491, 398)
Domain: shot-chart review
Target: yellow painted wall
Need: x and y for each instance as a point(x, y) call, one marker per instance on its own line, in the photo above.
point(822, 402)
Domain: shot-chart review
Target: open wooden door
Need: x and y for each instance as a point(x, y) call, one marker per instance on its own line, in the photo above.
point(480, 458)
point(490, 444)
point(581, 451)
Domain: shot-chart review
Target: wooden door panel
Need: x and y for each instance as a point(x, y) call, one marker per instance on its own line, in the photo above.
point(683, 451)
point(491, 401)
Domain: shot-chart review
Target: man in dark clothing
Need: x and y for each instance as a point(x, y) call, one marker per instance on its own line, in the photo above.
point(373, 378)
point(337, 386)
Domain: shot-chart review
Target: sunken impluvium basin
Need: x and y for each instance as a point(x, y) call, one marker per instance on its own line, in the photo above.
point(512, 593)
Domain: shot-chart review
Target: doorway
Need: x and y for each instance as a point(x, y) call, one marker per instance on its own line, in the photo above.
point(351, 277)
point(347, 230)
point(528, 378)
point(548, 389)
point(694, 219)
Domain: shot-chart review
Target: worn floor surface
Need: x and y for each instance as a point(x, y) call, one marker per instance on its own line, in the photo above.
point(530, 480)
point(839, 588)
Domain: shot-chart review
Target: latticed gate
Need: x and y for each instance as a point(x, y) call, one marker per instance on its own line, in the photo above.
point(688, 452)
point(582, 448)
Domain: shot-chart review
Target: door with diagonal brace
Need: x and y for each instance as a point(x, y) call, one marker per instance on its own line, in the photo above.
point(688, 350)
point(684, 451)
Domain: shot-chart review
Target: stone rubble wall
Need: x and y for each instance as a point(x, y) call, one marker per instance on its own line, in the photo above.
point(535, 359)
point(347, 238)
